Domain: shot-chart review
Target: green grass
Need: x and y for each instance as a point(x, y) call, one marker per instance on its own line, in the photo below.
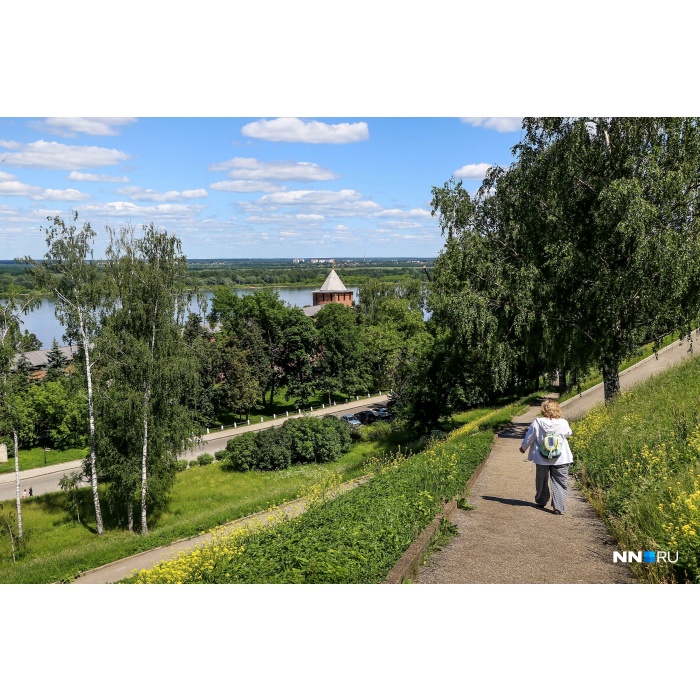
point(593, 378)
point(203, 497)
point(30, 459)
point(638, 459)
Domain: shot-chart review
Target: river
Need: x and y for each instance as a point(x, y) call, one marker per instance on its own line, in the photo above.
point(43, 323)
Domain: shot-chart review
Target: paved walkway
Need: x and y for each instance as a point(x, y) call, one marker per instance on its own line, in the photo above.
point(507, 539)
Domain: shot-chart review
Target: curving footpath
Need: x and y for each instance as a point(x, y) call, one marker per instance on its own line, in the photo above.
point(507, 539)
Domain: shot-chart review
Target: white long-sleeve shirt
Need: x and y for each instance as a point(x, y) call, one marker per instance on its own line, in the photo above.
point(535, 434)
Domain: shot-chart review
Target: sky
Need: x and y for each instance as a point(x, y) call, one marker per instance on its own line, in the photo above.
point(280, 187)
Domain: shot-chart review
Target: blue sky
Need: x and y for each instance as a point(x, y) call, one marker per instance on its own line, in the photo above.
point(245, 187)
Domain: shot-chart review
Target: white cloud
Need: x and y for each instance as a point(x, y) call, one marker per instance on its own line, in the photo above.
point(10, 187)
point(500, 124)
point(72, 126)
point(474, 171)
point(93, 177)
point(138, 194)
point(129, 209)
point(312, 197)
point(254, 169)
point(246, 186)
point(59, 156)
point(10, 144)
point(404, 214)
point(293, 130)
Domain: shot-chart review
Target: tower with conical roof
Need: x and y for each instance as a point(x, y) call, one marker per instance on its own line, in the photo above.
point(333, 290)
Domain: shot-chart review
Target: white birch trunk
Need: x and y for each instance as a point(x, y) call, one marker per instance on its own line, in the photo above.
point(144, 462)
point(130, 515)
point(91, 416)
point(18, 495)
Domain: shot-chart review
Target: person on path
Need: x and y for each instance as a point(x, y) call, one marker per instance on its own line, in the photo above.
point(24, 493)
point(547, 436)
point(31, 491)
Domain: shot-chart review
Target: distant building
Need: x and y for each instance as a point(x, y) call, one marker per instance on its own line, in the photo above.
point(298, 260)
point(332, 291)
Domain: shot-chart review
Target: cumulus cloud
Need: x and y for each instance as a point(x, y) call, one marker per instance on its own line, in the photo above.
point(253, 169)
point(59, 156)
point(500, 124)
point(138, 194)
point(474, 171)
point(10, 144)
point(404, 214)
point(93, 177)
point(131, 210)
point(246, 186)
point(72, 126)
point(311, 197)
point(293, 130)
point(11, 187)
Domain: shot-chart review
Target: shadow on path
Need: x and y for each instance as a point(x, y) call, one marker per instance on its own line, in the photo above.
point(511, 501)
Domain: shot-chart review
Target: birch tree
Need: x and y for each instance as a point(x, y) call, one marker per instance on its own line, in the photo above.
point(71, 279)
point(13, 384)
point(146, 361)
point(606, 210)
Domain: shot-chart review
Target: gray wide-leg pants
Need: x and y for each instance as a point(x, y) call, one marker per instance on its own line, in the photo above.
point(559, 476)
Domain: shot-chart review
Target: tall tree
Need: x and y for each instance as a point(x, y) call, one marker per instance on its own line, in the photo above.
point(341, 364)
point(606, 210)
point(13, 383)
point(56, 362)
point(71, 279)
point(146, 357)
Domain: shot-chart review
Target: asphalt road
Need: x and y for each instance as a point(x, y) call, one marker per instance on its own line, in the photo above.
point(45, 479)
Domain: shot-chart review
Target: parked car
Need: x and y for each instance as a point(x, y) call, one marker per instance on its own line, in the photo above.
point(351, 420)
point(384, 413)
point(366, 417)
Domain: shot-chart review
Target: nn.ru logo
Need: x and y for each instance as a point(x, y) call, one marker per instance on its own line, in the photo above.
point(647, 557)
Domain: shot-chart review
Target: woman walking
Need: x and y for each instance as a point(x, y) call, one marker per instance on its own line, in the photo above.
point(550, 451)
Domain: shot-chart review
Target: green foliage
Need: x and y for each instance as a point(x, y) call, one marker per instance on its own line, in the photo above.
point(204, 458)
point(638, 458)
point(359, 536)
point(221, 454)
point(242, 454)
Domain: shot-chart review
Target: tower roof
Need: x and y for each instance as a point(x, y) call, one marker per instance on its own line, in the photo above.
point(333, 283)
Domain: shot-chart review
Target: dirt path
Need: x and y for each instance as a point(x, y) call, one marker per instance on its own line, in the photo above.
point(507, 539)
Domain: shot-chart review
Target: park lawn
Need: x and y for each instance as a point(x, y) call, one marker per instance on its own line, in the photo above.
point(203, 497)
point(34, 457)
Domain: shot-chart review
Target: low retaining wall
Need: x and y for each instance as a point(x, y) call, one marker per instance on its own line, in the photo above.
point(409, 563)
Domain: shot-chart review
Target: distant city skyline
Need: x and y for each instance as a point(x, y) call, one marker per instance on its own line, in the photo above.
point(245, 187)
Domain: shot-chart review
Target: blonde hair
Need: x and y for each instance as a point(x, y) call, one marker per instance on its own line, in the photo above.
point(551, 409)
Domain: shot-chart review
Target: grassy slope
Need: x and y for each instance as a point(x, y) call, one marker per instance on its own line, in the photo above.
point(639, 461)
point(203, 497)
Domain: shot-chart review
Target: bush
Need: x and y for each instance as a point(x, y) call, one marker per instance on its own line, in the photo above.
point(221, 454)
point(242, 453)
point(204, 459)
point(193, 463)
point(300, 434)
point(181, 465)
point(272, 449)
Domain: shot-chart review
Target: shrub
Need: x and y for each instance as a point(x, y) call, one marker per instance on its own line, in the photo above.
point(300, 434)
point(221, 454)
point(181, 465)
point(272, 450)
point(204, 459)
point(193, 463)
point(242, 453)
